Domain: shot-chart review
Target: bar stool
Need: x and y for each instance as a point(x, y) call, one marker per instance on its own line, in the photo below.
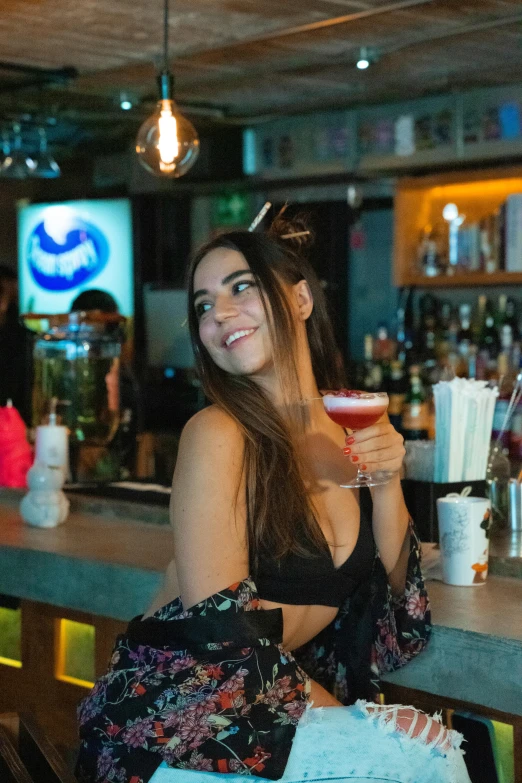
point(26, 753)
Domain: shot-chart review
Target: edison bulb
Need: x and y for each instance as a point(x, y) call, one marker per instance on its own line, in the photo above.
point(167, 143)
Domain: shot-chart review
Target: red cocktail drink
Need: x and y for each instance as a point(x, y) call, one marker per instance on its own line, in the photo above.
point(357, 410)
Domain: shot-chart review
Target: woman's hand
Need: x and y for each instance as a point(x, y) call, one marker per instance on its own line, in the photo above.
point(379, 447)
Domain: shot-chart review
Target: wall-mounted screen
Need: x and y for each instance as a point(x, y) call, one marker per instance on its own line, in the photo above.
point(166, 329)
point(70, 247)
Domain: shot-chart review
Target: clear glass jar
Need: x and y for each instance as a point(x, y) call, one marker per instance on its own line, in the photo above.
point(76, 360)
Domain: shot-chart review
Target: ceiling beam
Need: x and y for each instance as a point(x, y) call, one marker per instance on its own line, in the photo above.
point(400, 5)
point(305, 67)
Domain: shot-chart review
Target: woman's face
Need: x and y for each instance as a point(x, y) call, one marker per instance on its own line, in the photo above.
point(232, 323)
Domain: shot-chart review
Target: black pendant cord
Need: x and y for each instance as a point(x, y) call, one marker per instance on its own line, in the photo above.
point(165, 78)
point(166, 36)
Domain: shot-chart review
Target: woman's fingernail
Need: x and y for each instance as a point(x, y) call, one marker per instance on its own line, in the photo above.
point(363, 467)
point(355, 459)
point(346, 452)
point(349, 441)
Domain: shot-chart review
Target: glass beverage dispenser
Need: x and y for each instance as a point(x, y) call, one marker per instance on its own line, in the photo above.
point(76, 360)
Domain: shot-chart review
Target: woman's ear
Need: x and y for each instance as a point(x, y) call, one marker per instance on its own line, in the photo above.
point(304, 299)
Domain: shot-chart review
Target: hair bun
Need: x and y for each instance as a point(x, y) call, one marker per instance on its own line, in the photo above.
point(295, 233)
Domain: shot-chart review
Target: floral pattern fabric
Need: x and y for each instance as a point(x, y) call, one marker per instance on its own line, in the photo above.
point(219, 706)
point(215, 707)
point(374, 632)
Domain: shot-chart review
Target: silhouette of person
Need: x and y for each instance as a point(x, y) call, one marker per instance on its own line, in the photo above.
point(15, 348)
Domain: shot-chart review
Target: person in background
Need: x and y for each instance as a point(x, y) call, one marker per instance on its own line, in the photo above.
point(95, 299)
point(15, 349)
point(122, 387)
point(287, 591)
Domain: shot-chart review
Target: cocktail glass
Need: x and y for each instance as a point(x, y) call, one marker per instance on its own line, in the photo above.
point(358, 410)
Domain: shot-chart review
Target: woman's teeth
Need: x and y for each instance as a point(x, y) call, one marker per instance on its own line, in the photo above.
point(233, 337)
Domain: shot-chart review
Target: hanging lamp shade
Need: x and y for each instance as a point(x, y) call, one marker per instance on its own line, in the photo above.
point(17, 163)
point(167, 143)
point(45, 165)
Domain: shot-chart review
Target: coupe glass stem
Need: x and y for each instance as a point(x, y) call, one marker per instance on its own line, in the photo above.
point(362, 475)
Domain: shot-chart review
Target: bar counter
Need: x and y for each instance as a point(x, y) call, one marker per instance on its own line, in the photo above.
point(108, 558)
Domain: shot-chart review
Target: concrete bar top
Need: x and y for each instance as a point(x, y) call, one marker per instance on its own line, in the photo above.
point(98, 563)
point(109, 565)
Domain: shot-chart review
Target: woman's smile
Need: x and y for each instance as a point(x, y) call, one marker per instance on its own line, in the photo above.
point(237, 337)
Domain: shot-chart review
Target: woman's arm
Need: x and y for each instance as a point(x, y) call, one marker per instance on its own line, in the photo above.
point(380, 447)
point(207, 509)
point(390, 530)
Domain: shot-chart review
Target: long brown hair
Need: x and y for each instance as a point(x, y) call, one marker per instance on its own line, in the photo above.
point(280, 516)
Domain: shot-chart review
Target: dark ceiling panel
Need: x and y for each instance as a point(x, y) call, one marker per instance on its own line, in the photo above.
point(246, 58)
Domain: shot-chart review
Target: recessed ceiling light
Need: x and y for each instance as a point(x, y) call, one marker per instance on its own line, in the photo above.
point(364, 60)
point(125, 104)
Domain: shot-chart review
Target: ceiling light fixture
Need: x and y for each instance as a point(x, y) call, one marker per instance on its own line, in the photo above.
point(363, 61)
point(125, 103)
point(45, 165)
point(17, 164)
point(167, 143)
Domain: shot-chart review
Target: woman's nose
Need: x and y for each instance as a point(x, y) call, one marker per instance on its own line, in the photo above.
point(224, 307)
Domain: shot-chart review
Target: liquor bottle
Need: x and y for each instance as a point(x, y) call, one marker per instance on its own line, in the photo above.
point(383, 347)
point(511, 317)
point(465, 334)
point(500, 315)
point(428, 255)
point(372, 374)
point(428, 320)
point(405, 326)
point(478, 322)
point(397, 389)
point(442, 333)
point(415, 419)
point(489, 336)
point(453, 330)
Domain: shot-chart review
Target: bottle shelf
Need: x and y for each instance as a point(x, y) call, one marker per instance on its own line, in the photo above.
point(462, 280)
point(420, 201)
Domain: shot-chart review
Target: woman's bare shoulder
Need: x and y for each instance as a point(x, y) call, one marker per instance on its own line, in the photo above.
point(209, 432)
point(213, 419)
point(207, 507)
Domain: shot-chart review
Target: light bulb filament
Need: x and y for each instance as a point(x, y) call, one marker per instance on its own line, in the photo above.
point(168, 145)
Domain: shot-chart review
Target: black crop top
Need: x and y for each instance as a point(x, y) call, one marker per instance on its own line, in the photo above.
point(311, 580)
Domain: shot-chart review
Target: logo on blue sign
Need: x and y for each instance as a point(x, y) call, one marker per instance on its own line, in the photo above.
point(65, 251)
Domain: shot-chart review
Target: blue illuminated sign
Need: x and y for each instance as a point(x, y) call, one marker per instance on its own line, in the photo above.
point(69, 247)
point(65, 251)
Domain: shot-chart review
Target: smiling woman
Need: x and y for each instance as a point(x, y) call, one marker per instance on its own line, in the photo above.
point(287, 591)
point(230, 311)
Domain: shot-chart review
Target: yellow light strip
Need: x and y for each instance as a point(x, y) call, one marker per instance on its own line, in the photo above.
point(10, 662)
point(74, 681)
point(64, 631)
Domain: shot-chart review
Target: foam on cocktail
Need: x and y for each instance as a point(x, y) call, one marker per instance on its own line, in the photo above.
point(354, 409)
point(333, 401)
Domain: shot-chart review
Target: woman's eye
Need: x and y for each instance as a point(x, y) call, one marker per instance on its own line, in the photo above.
point(238, 288)
point(202, 308)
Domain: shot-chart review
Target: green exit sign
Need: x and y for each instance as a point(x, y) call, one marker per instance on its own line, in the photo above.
point(231, 209)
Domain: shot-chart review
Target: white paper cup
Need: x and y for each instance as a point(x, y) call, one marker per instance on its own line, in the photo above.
point(464, 542)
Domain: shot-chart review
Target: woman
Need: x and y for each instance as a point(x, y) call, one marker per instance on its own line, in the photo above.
point(204, 681)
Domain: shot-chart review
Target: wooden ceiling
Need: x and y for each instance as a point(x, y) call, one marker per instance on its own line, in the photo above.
point(240, 61)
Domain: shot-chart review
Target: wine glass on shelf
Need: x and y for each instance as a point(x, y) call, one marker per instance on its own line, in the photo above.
point(357, 410)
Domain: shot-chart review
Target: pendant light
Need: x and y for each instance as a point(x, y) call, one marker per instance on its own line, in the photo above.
point(17, 164)
point(46, 167)
point(167, 143)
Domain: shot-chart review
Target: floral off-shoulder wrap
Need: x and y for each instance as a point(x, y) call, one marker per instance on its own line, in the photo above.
point(212, 688)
